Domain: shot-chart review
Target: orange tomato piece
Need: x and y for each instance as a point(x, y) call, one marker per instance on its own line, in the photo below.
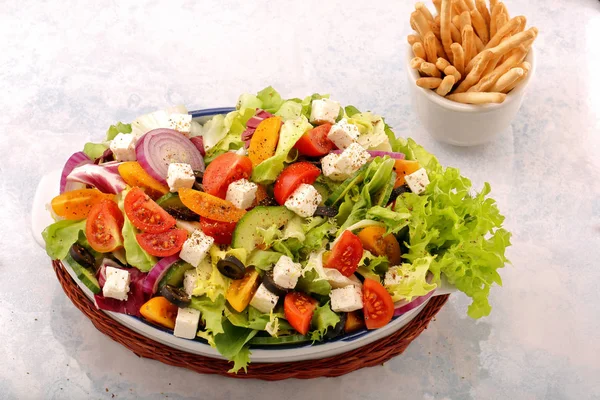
point(209, 206)
point(160, 311)
point(374, 239)
point(134, 175)
point(355, 321)
point(264, 140)
point(241, 291)
point(77, 204)
point(403, 168)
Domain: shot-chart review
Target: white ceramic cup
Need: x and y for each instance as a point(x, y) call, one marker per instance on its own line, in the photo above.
point(465, 124)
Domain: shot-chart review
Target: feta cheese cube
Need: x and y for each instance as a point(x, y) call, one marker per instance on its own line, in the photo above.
point(117, 283)
point(352, 158)
point(343, 134)
point(337, 280)
point(263, 300)
point(195, 248)
point(190, 277)
point(417, 181)
point(330, 170)
point(181, 123)
point(392, 276)
point(241, 193)
point(286, 272)
point(323, 111)
point(304, 201)
point(346, 299)
point(180, 175)
point(123, 147)
point(186, 323)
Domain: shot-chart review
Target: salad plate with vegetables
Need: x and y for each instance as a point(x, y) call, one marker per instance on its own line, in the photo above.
point(278, 230)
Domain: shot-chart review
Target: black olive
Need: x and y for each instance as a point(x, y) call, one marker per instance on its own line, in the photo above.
point(199, 175)
point(198, 186)
point(82, 256)
point(271, 286)
point(398, 191)
point(231, 267)
point(268, 201)
point(338, 328)
point(182, 213)
point(175, 295)
point(326, 211)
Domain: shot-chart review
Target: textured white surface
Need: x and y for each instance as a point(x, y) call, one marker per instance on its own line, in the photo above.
point(69, 69)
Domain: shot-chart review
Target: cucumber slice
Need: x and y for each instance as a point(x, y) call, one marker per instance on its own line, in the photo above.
point(86, 276)
point(173, 205)
point(274, 341)
point(323, 191)
point(382, 197)
point(344, 188)
point(175, 274)
point(245, 234)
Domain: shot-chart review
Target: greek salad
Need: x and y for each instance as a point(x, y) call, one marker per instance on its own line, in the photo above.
point(282, 222)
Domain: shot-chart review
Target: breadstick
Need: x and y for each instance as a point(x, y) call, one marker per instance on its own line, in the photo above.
point(445, 22)
point(493, 4)
point(412, 39)
point(419, 23)
point(488, 80)
point(478, 44)
point(416, 62)
point(507, 79)
point(473, 77)
point(438, 5)
point(464, 19)
point(496, 9)
point(507, 45)
point(429, 83)
point(501, 20)
point(525, 66)
point(483, 10)
point(460, 6)
point(424, 10)
point(506, 30)
point(477, 98)
point(455, 33)
point(480, 26)
point(451, 70)
point(442, 64)
point(491, 66)
point(459, 58)
point(435, 28)
point(468, 43)
point(430, 69)
point(430, 49)
point(419, 50)
point(470, 4)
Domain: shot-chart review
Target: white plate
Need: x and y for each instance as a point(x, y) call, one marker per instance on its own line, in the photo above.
point(48, 188)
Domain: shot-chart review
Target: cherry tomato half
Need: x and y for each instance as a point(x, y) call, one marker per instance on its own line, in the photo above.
point(299, 309)
point(222, 232)
point(226, 168)
point(292, 177)
point(378, 304)
point(103, 227)
point(345, 254)
point(145, 214)
point(315, 142)
point(162, 244)
point(160, 311)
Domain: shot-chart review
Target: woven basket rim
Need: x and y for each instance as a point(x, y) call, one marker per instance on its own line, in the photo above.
point(372, 354)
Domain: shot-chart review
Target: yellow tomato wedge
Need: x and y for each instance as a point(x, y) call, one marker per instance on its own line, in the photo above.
point(374, 239)
point(403, 168)
point(241, 291)
point(264, 140)
point(77, 204)
point(160, 311)
point(134, 175)
point(209, 206)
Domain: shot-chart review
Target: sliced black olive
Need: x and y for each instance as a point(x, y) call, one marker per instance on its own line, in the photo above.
point(82, 256)
point(270, 284)
point(175, 295)
point(184, 214)
point(199, 175)
point(268, 201)
point(338, 328)
point(398, 191)
point(325, 211)
point(231, 267)
point(198, 186)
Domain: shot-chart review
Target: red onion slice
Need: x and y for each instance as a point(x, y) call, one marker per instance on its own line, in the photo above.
point(76, 160)
point(157, 273)
point(198, 141)
point(104, 177)
point(404, 306)
point(161, 147)
point(377, 153)
point(253, 123)
point(135, 298)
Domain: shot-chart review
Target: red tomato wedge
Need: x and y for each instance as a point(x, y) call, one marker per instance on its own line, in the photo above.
point(226, 168)
point(345, 254)
point(145, 214)
point(378, 304)
point(222, 232)
point(299, 309)
point(315, 142)
point(103, 227)
point(162, 244)
point(292, 177)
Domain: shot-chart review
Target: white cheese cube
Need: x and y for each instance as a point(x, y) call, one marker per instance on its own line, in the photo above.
point(123, 147)
point(241, 193)
point(392, 277)
point(181, 123)
point(264, 301)
point(196, 247)
point(304, 201)
point(117, 283)
point(337, 280)
point(330, 170)
point(343, 134)
point(346, 299)
point(186, 323)
point(352, 158)
point(323, 111)
point(417, 181)
point(286, 272)
point(190, 277)
point(180, 175)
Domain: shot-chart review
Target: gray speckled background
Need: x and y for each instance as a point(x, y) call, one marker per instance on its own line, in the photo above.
point(69, 69)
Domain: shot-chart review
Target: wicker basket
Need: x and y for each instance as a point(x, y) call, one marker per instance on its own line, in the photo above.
point(376, 354)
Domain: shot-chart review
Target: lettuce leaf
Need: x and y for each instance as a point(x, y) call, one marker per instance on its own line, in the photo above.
point(60, 236)
point(270, 98)
point(114, 130)
point(323, 319)
point(247, 100)
point(372, 129)
point(211, 312)
point(94, 150)
point(263, 259)
point(413, 282)
point(394, 221)
point(290, 109)
point(231, 343)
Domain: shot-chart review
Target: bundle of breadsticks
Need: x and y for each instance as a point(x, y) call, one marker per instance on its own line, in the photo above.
point(468, 52)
